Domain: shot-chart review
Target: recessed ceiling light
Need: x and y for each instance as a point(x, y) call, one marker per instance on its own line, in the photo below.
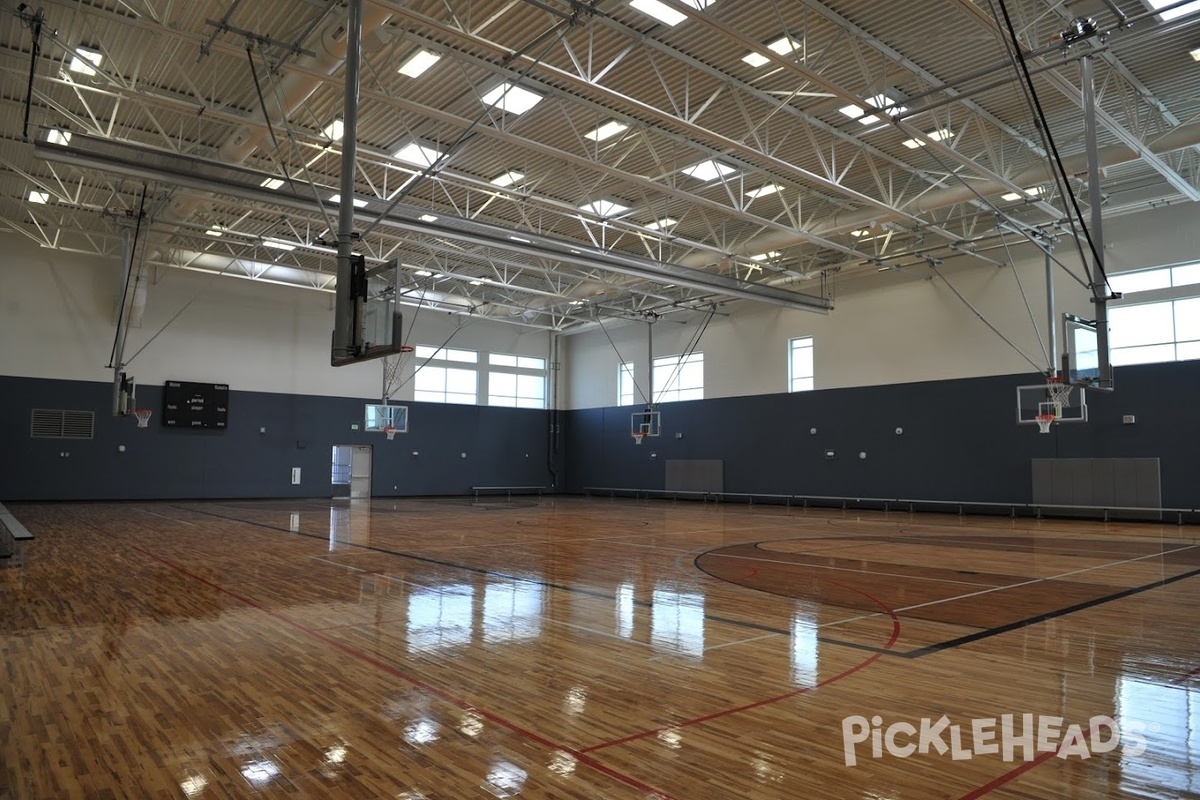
point(661, 12)
point(887, 105)
point(278, 245)
point(508, 178)
point(512, 98)
point(605, 207)
point(661, 224)
point(939, 135)
point(1195, 54)
point(709, 170)
point(767, 256)
point(216, 231)
point(784, 45)
point(272, 183)
point(417, 154)
point(854, 112)
point(41, 198)
point(358, 201)
point(763, 191)
point(418, 63)
point(334, 130)
point(85, 60)
point(427, 218)
point(1174, 13)
point(1033, 191)
point(606, 131)
point(57, 136)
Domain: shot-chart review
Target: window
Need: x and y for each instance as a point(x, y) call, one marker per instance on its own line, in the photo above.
point(1155, 332)
point(436, 382)
point(626, 389)
point(800, 364)
point(522, 384)
point(679, 378)
point(1166, 329)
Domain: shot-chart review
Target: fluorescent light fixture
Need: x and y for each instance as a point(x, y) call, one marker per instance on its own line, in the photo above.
point(276, 244)
point(709, 170)
point(476, 283)
point(358, 201)
point(767, 256)
point(41, 198)
point(85, 60)
point(272, 183)
point(508, 178)
point(418, 63)
point(606, 131)
point(879, 101)
point(662, 224)
point(57, 136)
point(334, 130)
point(417, 154)
point(512, 98)
point(1174, 13)
point(941, 134)
point(216, 231)
point(1034, 191)
point(423, 273)
point(764, 191)
point(784, 46)
point(605, 207)
point(661, 12)
point(1195, 54)
point(427, 218)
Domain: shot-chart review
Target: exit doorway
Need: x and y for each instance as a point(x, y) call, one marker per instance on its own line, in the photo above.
point(351, 471)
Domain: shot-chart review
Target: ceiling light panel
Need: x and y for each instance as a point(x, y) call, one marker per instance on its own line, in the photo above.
point(41, 198)
point(784, 46)
point(662, 224)
point(508, 178)
point(606, 131)
point(277, 244)
point(605, 207)
point(511, 98)
point(764, 191)
point(1174, 13)
point(272, 183)
point(358, 201)
point(85, 60)
point(941, 134)
point(709, 170)
point(56, 136)
point(334, 130)
point(418, 154)
point(419, 63)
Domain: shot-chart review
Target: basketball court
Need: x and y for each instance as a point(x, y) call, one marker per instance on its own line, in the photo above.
point(575, 647)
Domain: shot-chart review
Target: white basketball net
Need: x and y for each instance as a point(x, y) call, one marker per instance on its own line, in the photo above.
point(1060, 392)
point(390, 431)
point(1044, 422)
point(143, 417)
point(394, 368)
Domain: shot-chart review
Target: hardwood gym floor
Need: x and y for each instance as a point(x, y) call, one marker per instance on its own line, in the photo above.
point(585, 648)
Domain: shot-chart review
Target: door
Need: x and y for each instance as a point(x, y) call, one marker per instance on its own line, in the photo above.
point(340, 471)
point(360, 472)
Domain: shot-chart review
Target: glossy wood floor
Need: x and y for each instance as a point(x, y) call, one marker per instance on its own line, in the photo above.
point(576, 648)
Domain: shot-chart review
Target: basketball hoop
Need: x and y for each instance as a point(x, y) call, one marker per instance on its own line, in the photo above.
point(143, 417)
point(1058, 390)
point(390, 430)
point(1044, 422)
point(638, 436)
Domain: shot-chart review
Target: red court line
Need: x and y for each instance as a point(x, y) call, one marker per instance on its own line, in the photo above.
point(1020, 770)
point(1186, 676)
point(785, 696)
point(578, 755)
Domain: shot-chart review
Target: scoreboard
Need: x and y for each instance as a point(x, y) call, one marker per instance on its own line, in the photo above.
point(195, 405)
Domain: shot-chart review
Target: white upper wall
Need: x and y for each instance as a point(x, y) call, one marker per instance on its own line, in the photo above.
point(57, 320)
point(900, 328)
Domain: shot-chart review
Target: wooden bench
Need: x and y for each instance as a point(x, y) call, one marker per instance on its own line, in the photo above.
point(508, 490)
point(15, 536)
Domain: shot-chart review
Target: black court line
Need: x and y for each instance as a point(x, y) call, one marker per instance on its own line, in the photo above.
point(921, 652)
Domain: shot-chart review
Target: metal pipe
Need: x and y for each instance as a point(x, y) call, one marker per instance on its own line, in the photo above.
point(122, 319)
point(1096, 234)
point(344, 335)
point(1051, 320)
point(650, 363)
